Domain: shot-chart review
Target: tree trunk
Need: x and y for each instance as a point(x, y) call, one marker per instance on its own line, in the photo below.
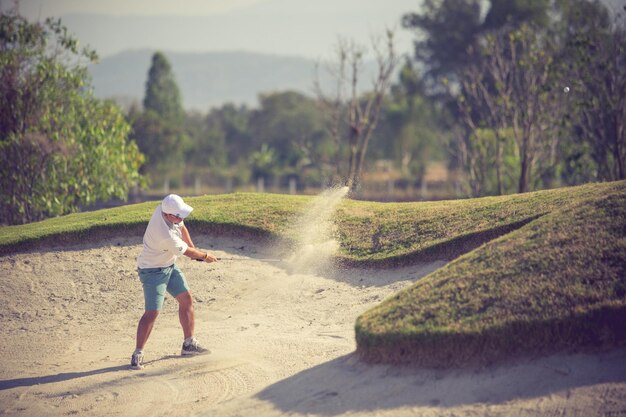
point(498, 163)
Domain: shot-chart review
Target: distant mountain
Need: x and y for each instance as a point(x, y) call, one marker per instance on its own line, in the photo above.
point(284, 27)
point(210, 79)
point(205, 80)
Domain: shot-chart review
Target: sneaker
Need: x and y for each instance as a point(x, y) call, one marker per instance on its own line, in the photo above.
point(136, 361)
point(193, 348)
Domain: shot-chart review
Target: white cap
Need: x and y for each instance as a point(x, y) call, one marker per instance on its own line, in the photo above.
point(173, 204)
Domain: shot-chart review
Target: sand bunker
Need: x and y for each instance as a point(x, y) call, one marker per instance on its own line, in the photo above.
point(282, 343)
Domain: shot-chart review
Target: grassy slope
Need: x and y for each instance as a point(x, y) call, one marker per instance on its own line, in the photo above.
point(391, 233)
point(256, 214)
point(556, 281)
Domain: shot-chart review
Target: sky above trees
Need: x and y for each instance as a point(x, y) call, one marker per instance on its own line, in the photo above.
point(32, 8)
point(285, 27)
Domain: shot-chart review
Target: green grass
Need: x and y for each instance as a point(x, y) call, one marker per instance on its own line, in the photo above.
point(532, 273)
point(261, 215)
point(395, 233)
point(556, 284)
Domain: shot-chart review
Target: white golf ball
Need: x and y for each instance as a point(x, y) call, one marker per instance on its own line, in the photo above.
point(566, 90)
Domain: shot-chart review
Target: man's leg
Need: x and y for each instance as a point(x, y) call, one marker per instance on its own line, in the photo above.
point(187, 321)
point(144, 328)
point(154, 281)
point(186, 313)
point(179, 289)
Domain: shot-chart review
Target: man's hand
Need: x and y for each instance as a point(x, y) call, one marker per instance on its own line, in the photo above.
point(210, 258)
point(199, 255)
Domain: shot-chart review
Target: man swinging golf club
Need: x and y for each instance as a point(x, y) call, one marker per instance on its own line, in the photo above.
point(165, 239)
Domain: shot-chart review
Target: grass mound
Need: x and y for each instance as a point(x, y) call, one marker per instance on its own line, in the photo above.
point(558, 283)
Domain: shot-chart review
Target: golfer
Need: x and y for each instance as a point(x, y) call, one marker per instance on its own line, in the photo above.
point(165, 239)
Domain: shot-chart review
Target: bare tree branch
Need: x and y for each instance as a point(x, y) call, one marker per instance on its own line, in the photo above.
point(357, 114)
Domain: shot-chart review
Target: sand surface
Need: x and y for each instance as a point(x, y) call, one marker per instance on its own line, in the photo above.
point(281, 342)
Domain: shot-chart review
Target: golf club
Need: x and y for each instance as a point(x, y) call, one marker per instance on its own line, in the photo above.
point(251, 259)
point(247, 259)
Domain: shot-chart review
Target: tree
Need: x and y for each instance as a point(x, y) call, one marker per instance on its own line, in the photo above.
point(408, 130)
point(226, 143)
point(351, 118)
point(159, 130)
point(292, 125)
point(60, 148)
point(206, 147)
point(514, 13)
point(593, 62)
point(445, 29)
point(508, 88)
point(233, 122)
point(448, 29)
point(508, 82)
point(162, 93)
point(161, 142)
point(263, 162)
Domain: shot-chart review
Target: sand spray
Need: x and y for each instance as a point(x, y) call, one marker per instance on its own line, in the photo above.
point(314, 232)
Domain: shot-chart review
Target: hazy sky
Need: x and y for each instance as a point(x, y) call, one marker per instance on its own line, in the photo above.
point(308, 28)
point(34, 8)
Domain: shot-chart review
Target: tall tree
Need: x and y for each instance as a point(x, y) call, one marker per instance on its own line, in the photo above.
point(159, 130)
point(162, 93)
point(60, 148)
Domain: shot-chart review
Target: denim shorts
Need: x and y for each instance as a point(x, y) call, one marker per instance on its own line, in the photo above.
point(156, 280)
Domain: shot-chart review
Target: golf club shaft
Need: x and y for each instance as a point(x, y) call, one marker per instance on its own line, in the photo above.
point(251, 259)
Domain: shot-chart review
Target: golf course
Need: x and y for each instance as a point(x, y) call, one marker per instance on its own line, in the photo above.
point(512, 305)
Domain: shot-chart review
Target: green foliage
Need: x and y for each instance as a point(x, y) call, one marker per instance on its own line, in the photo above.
point(450, 27)
point(263, 162)
point(510, 87)
point(292, 125)
point(517, 12)
point(511, 71)
point(161, 141)
point(234, 124)
point(484, 151)
point(592, 64)
point(60, 148)
point(517, 81)
point(206, 149)
point(220, 144)
point(409, 131)
point(578, 166)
